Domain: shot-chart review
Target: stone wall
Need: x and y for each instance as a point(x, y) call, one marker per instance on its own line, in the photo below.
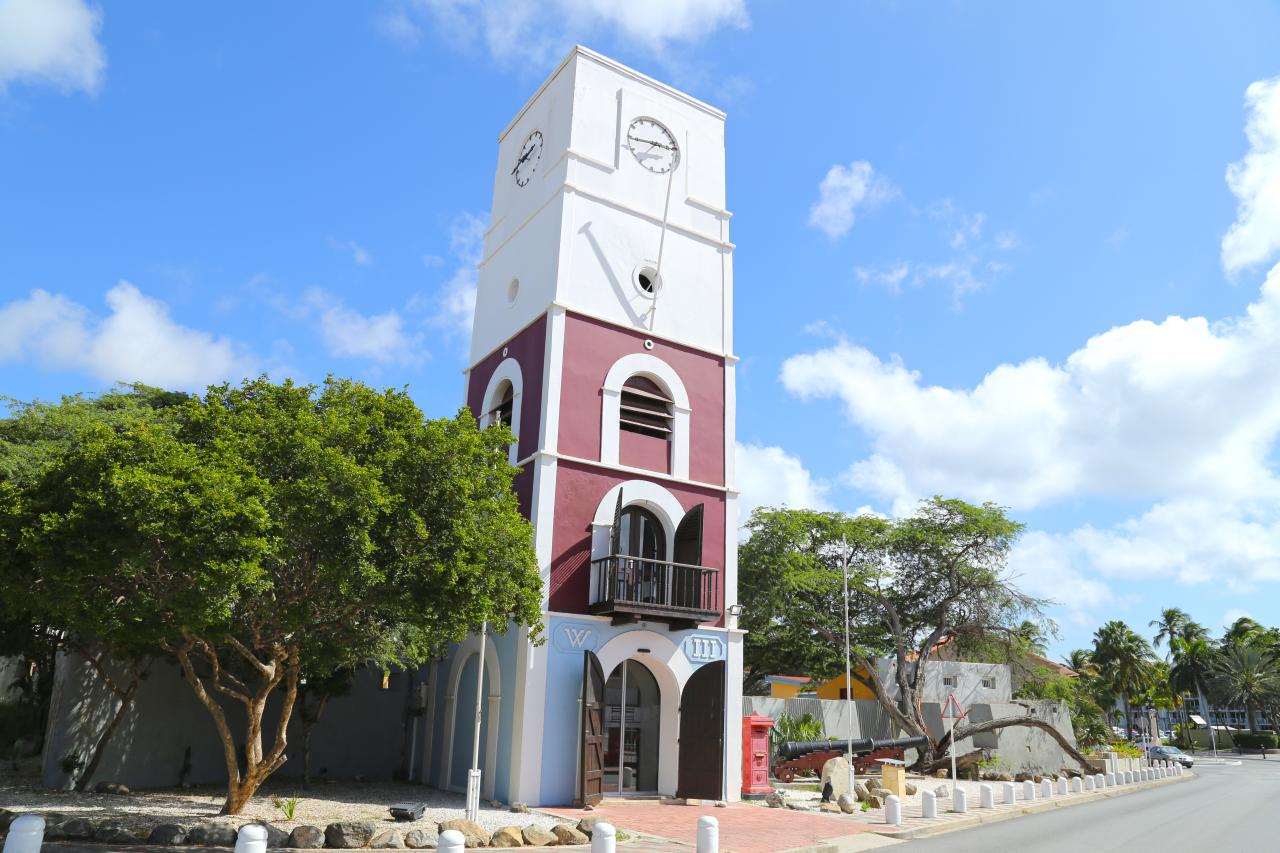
point(168, 737)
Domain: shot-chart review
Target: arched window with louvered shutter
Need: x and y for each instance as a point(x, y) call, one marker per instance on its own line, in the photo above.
point(645, 416)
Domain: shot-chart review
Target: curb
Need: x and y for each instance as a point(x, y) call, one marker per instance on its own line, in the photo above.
point(1033, 808)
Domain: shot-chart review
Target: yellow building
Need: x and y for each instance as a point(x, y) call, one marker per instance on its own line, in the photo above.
point(792, 686)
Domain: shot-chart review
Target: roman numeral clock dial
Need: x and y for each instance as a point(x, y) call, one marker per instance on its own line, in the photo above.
point(527, 162)
point(653, 145)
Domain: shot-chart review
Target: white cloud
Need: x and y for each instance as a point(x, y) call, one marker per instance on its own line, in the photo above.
point(51, 41)
point(378, 337)
point(137, 342)
point(961, 227)
point(1041, 566)
point(769, 476)
point(842, 192)
point(1255, 235)
point(1177, 408)
point(454, 306)
point(1229, 618)
point(517, 31)
point(359, 254)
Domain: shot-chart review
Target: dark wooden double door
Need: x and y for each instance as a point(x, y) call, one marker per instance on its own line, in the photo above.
point(701, 746)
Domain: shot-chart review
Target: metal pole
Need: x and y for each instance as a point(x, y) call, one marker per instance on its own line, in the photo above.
point(473, 779)
point(662, 242)
point(848, 669)
point(622, 728)
point(951, 742)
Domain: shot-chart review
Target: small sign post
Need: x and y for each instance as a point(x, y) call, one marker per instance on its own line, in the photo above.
point(951, 712)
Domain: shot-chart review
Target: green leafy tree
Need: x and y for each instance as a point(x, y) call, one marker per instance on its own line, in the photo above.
point(261, 531)
point(1241, 632)
point(1124, 659)
point(1193, 662)
point(914, 583)
point(1245, 675)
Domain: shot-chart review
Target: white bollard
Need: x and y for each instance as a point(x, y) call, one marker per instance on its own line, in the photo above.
point(1010, 793)
point(1089, 784)
point(252, 838)
point(959, 800)
point(452, 841)
point(708, 834)
point(603, 838)
point(1046, 788)
point(928, 805)
point(26, 834)
point(1028, 790)
point(1111, 780)
point(1099, 781)
point(987, 797)
point(1076, 785)
point(892, 810)
point(1062, 787)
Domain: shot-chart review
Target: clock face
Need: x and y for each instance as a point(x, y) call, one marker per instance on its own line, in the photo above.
point(527, 162)
point(653, 145)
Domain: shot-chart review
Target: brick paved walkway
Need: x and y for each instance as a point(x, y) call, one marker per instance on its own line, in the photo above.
point(743, 828)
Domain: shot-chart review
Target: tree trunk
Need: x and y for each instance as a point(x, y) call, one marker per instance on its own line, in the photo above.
point(1128, 718)
point(1251, 714)
point(965, 731)
point(308, 726)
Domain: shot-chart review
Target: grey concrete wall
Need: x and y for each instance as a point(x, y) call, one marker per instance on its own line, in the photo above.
point(969, 677)
point(360, 734)
point(1021, 749)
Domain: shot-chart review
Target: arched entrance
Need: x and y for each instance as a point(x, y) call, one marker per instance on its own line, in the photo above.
point(702, 734)
point(632, 727)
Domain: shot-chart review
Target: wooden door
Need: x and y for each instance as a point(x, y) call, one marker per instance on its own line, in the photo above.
point(702, 735)
point(591, 768)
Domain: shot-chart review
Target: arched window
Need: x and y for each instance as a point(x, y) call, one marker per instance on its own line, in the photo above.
point(645, 408)
point(645, 416)
point(640, 534)
point(503, 405)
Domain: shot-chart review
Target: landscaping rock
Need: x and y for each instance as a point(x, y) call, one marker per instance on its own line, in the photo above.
point(874, 783)
point(54, 826)
point(348, 835)
point(508, 836)
point(587, 824)
point(567, 835)
point(910, 789)
point(941, 774)
point(847, 804)
point(942, 791)
point(519, 808)
point(537, 836)
point(79, 829)
point(775, 800)
point(111, 788)
point(167, 834)
point(112, 832)
point(860, 790)
point(276, 837)
point(876, 799)
point(210, 834)
point(421, 839)
point(387, 839)
point(306, 837)
point(6, 818)
point(832, 808)
point(475, 834)
point(836, 774)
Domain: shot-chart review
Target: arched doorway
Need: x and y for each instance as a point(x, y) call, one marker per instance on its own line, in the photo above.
point(631, 722)
point(702, 734)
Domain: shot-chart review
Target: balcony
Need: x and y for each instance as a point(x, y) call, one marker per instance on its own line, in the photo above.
point(632, 588)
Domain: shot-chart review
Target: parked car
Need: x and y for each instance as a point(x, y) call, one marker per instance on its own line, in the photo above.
point(1170, 753)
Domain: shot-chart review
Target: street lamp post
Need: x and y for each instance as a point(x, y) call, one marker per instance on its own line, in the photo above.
point(848, 668)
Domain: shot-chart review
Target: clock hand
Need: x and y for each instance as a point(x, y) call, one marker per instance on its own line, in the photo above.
point(521, 160)
point(651, 143)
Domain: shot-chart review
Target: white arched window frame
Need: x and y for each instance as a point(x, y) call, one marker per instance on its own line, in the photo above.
point(642, 493)
point(653, 368)
point(507, 371)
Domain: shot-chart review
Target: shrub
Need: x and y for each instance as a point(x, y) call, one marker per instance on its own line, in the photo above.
point(1256, 740)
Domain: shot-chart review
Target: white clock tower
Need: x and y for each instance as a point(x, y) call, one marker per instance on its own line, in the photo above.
point(603, 335)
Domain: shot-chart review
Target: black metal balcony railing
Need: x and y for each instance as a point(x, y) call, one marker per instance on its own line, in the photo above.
point(636, 587)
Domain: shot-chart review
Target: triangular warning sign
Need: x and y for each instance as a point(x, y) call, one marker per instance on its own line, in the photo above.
point(952, 710)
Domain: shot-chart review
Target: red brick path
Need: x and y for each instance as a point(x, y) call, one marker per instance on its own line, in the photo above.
point(743, 828)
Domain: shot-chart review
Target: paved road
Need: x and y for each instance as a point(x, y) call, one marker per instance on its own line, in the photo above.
point(1224, 810)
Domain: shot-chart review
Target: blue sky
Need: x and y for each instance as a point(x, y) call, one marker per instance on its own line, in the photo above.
point(1003, 251)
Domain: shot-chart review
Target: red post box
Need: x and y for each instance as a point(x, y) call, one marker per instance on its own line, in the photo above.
point(755, 755)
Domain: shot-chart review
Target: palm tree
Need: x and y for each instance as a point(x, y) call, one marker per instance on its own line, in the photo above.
point(1243, 630)
point(1124, 661)
point(1172, 622)
point(1245, 675)
point(1031, 637)
point(1193, 663)
point(1081, 660)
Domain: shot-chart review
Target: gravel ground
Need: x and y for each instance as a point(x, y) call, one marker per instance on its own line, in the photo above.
point(320, 805)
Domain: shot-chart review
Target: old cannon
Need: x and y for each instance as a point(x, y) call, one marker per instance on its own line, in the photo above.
point(796, 757)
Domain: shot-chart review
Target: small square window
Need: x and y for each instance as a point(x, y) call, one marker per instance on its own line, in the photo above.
point(989, 683)
point(948, 681)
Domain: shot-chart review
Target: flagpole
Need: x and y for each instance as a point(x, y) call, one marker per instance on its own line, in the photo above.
point(952, 709)
point(848, 670)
